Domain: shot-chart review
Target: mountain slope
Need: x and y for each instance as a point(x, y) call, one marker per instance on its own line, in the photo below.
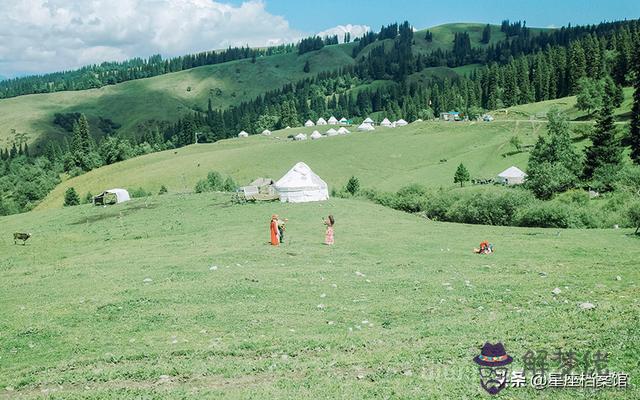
point(387, 159)
point(164, 97)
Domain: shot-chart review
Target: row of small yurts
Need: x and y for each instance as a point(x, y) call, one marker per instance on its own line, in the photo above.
point(366, 125)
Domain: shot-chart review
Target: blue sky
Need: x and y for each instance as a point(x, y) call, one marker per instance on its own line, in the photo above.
point(318, 15)
point(41, 36)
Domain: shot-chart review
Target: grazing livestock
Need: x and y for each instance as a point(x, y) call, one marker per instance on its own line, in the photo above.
point(21, 236)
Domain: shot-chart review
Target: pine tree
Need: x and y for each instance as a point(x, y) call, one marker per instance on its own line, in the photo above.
point(462, 175)
point(71, 197)
point(306, 67)
point(577, 66)
point(634, 129)
point(605, 150)
point(486, 34)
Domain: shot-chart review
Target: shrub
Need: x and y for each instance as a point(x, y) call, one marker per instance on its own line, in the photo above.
point(163, 190)
point(633, 213)
point(88, 198)
point(71, 197)
point(353, 185)
point(139, 192)
point(546, 215)
point(410, 198)
point(215, 182)
point(489, 207)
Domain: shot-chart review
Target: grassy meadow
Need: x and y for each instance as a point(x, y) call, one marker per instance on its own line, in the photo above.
point(385, 159)
point(180, 296)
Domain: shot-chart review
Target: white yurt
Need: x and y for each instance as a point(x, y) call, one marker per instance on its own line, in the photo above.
point(333, 121)
point(309, 123)
point(315, 135)
point(287, 127)
point(243, 134)
point(343, 121)
point(385, 122)
point(321, 121)
point(111, 196)
point(368, 121)
point(301, 185)
point(331, 131)
point(343, 130)
point(511, 176)
point(365, 127)
point(266, 132)
point(300, 136)
point(401, 122)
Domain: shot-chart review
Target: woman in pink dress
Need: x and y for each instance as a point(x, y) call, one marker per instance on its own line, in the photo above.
point(328, 237)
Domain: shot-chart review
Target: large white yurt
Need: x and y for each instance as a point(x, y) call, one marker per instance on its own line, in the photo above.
point(301, 185)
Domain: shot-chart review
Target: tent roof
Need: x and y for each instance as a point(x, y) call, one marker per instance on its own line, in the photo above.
point(343, 130)
point(300, 177)
point(512, 172)
point(300, 136)
point(401, 121)
point(331, 130)
point(117, 191)
point(385, 121)
point(333, 119)
point(266, 132)
point(368, 121)
point(343, 119)
point(316, 135)
point(262, 182)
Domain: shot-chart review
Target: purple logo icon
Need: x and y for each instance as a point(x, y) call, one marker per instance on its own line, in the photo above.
point(493, 363)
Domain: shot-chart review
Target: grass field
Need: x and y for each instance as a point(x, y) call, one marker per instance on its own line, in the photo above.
point(385, 159)
point(180, 296)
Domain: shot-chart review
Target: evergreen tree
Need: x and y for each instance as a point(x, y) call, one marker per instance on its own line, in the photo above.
point(634, 129)
point(71, 197)
point(353, 185)
point(577, 66)
point(462, 175)
point(553, 164)
point(306, 68)
point(486, 34)
point(605, 150)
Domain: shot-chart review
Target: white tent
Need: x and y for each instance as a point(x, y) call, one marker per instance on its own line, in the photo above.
point(333, 121)
point(343, 121)
point(321, 121)
point(243, 134)
point(401, 122)
point(385, 122)
point(365, 127)
point(300, 136)
point(309, 123)
point(266, 132)
point(331, 131)
point(511, 176)
point(343, 131)
point(111, 196)
point(301, 185)
point(368, 121)
point(315, 135)
point(287, 127)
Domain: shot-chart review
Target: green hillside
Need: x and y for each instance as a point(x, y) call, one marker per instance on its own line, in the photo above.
point(385, 159)
point(566, 104)
point(164, 97)
point(181, 296)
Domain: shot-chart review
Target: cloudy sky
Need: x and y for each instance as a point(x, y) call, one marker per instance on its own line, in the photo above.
point(49, 35)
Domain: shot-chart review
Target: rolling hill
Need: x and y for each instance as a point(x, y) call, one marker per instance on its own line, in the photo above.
point(387, 159)
point(168, 97)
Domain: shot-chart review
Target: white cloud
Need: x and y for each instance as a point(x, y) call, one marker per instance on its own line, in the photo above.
point(50, 35)
point(340, 30)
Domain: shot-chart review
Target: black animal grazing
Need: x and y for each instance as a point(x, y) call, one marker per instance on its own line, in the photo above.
point(21, 236)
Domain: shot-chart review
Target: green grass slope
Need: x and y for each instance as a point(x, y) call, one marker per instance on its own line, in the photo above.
point(180, 296)
point(567, 105)
point(164, 97)
point(386, 159)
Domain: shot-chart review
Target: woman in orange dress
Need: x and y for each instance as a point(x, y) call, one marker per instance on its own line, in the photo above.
point(275, 234)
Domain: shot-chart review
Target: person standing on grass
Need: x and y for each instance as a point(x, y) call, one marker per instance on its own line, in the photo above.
point(281, 228)
point(328, 236)
point(275, 233)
